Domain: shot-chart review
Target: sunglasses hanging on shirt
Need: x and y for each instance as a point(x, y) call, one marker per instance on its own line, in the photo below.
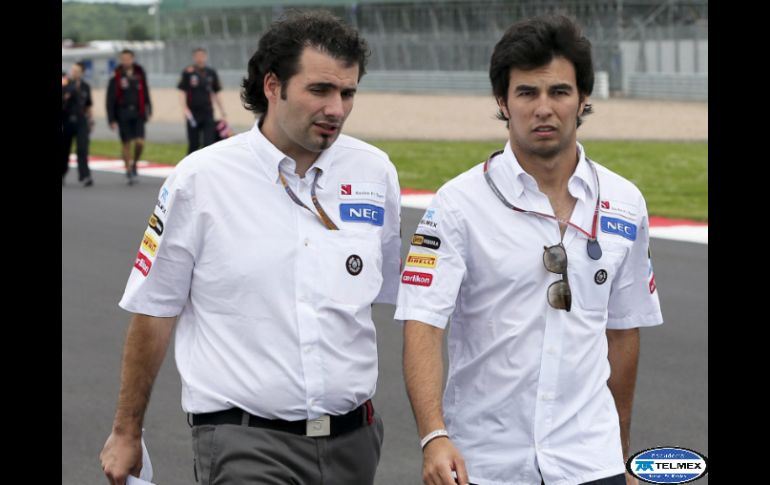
point(593, 248)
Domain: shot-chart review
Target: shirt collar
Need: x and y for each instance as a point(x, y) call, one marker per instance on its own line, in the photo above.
point(580, 185)
point(270, 157)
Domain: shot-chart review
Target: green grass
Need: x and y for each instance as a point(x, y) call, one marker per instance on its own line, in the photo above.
point(673, 176)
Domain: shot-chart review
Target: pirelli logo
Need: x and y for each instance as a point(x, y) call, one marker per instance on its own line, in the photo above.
point(150, 244)
point(421, 260)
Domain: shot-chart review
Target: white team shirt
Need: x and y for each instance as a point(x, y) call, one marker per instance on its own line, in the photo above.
point(274, 308)
point(527, 385)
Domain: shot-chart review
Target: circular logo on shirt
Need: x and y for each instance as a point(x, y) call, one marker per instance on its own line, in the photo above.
point(600, 277)
point(354, 264)
point(193, 80)
point(124, 83)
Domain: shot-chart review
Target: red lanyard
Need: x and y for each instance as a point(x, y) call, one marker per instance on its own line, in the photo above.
point(594, 250)
point(325, 220)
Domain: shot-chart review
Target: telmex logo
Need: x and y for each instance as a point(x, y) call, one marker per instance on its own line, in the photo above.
point(143, 264)
point(667, 465)
point(422, 260)
point(414, 278)
point(150, 244)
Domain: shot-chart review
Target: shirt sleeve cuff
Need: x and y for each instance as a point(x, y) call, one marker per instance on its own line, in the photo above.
point(634, 321)
point(131, 306)
point(420, 315)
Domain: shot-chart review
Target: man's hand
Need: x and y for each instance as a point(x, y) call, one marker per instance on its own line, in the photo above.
point(113, 125)
point(121, 456)
point(630, 480)
point(440, 458)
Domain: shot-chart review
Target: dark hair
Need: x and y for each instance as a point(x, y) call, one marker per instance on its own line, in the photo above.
point(280, 48)
point(128, 51)
point(532, 43)
point(199, 49)
point(81, 65)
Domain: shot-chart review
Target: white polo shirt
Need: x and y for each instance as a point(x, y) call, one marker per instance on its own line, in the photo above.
point(527, 386)
point(274, 308)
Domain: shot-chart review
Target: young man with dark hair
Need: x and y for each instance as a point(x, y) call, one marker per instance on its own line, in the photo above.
point(542, 366)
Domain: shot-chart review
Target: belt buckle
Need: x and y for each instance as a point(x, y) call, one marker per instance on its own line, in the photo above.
point(318, 427)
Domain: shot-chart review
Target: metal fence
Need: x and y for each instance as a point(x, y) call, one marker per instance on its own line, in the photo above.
point(446, 46)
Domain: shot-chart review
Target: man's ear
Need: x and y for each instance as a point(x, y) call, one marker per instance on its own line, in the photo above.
point(503, 107)
point(582, 106)
point(272, 87)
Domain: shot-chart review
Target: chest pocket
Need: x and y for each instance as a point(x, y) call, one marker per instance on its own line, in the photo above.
point(590, 279)
point(348, 265)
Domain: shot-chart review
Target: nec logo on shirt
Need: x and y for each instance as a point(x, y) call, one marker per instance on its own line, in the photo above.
point(611, 225)
point(368, 213)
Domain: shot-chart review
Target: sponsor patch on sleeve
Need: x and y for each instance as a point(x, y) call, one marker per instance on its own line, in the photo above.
point(162, 203)
point(421, 260)
point(430, 219)
point(426, 241)
point(416, 278)
point(149, 244)
point(143, 264)
point(156, 224)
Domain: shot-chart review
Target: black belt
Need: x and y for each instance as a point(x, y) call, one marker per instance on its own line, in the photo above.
point(338, 425)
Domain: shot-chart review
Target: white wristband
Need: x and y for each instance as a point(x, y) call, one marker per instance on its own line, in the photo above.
point(431, 436)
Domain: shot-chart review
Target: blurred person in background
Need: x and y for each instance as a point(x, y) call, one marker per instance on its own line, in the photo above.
point(199, 89)
point(77, 121)
point(128, 108)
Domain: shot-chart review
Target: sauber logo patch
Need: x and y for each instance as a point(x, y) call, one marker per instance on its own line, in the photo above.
point(363, 191)
point(619, 208)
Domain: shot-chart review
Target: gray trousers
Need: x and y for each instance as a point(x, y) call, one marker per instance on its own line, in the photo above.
point(233, 454)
